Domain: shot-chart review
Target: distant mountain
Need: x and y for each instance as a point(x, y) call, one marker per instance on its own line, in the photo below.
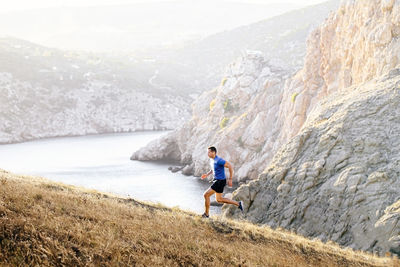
point(196, 67)
point(48, 92)
point(282, 39)
point(132, 27)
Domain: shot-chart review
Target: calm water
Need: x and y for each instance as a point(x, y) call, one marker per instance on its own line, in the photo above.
point(102, 162)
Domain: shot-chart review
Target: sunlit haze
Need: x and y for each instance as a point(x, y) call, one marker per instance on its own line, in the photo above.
point(131, 24)
point(26, 4)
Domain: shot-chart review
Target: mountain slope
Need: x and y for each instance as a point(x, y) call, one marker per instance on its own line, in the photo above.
point(132, 26)
point(44, 223)
point(48, 92)
point(338, 178)
point(254, 85)
point(282, 39)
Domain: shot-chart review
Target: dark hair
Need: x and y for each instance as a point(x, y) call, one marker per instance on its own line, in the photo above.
point(213, 149)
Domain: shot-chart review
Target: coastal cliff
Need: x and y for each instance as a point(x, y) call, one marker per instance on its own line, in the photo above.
point(321, 144)
point(337, 177)
point(47, 92)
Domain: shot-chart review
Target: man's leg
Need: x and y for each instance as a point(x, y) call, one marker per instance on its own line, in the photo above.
point(220, 199)
point(207, 196)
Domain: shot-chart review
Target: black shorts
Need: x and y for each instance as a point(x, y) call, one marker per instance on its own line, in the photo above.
point(218, 185)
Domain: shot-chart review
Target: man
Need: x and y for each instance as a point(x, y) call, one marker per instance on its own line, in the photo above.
point(219, 182)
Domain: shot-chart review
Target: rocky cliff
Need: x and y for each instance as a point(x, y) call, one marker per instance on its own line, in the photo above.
point(276, 106)
point(337, 179)
point(240, 117)
point(257, 107)
point(325, 139)
point(47, 92)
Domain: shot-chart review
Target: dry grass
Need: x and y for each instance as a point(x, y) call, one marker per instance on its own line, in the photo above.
point(44, 223)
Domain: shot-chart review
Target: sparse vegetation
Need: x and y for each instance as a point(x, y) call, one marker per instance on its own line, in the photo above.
point(293, 98)
point(240, 142)
point(259, 148)
point(224, 81)
point(227, 104)
point(229, 107)
point(70, 226)
point(243, 116)
point(223, 122)
point(212, 104)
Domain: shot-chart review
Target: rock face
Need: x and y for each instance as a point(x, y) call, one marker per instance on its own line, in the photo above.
point(234, 117)
point(258, 108)
point(31, 112)
point(47, 92)
point(326, 140)
point(338, 178)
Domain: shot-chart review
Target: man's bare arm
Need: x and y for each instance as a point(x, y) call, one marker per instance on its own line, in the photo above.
point(206, 174)
point(230, 168)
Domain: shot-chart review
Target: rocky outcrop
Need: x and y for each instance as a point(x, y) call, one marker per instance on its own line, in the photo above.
point(338, 178)
point(325, 140)
point(257, 108)
point(234, 117)
point(276, 106)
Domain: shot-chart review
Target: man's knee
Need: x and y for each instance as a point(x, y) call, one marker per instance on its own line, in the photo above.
point(208, 193)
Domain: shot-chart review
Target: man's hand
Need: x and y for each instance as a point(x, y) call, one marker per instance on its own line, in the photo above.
point(204, 176)
point(230, 182)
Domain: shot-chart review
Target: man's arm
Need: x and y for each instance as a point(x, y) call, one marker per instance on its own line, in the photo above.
point(206, 174)
point(230, 168)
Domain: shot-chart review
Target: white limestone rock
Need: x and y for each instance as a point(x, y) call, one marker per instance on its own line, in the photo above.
point(338, 178)
point(96, 107)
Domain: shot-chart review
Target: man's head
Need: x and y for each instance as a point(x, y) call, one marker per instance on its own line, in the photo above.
point(212, 152)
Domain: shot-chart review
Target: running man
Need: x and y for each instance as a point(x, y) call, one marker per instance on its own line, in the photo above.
point(219, 182)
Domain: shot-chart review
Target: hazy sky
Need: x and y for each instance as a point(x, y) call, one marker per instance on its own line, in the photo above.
point(10, 5)
point(156, 23)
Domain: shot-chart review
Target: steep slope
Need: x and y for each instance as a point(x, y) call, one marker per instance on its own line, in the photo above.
point(338, 178)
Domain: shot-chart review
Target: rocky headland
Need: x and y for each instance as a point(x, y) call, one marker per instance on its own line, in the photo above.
point(320, 144)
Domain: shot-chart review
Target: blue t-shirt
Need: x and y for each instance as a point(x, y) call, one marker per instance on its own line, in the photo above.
point(219, 171)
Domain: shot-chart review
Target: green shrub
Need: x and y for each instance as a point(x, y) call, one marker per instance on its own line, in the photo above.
point(294, 95)
point(240, 142)
point(224, 81)
point(212, 103)
point(228, 107)
point(223, 122)
point(243, 116)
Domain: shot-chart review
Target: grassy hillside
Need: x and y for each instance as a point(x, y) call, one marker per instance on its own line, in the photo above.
point(44, 223)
